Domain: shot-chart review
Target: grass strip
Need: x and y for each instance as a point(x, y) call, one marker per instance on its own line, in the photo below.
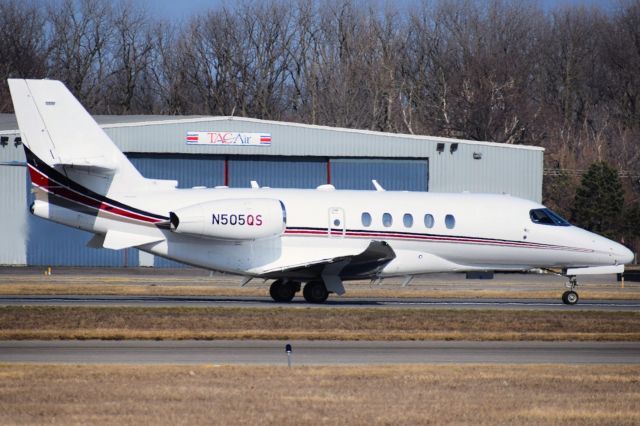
point(341, 395)
point(34, 322)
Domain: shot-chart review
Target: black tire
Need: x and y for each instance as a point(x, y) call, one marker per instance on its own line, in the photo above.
point(315, 292)
point(570, 297)
point(282, 292)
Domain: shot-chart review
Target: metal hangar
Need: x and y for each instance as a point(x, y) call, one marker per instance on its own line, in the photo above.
point(218, 151)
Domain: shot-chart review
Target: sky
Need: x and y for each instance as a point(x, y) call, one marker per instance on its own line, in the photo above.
point(179, 9)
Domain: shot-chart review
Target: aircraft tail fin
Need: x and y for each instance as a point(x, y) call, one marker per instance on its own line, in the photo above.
point(58, 131)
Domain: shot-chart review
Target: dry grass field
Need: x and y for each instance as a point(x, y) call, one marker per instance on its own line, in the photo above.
point(17, 322)
point(354, 395)
point(353, 291)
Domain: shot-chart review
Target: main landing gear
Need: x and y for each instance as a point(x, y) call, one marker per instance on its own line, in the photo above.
point(570, 297)
point(315, 292)
point(283, 291)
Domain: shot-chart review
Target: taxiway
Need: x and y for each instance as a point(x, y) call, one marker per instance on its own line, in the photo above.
point(317, 352)
point(332, 302)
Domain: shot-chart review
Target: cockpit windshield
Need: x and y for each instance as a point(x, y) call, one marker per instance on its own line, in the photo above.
point(547, 217)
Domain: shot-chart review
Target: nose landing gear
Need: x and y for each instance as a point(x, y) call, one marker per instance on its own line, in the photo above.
point(570, 297)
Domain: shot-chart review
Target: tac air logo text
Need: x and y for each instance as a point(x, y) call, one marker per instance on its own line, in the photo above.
point(228, 138)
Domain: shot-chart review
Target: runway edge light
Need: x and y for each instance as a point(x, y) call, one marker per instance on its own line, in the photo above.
point(288, 350)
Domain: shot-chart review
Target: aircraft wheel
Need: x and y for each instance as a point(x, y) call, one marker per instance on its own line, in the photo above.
point(283, 291)
point(315, 292)
point(570, 298)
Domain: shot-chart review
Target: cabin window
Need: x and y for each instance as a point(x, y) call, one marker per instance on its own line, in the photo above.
point(407, 219)
point(366, 219)
point(387, 220)
point(547, 217)
point(428, 220)
point(450, 221)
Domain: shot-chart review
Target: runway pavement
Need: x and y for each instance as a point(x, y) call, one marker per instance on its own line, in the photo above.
point(317, 352)
point(332, 302)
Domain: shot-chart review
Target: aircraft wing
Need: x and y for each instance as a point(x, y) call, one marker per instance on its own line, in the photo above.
point(332, 270)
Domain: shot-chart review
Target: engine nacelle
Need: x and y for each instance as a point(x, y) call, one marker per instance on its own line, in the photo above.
point(231, 219)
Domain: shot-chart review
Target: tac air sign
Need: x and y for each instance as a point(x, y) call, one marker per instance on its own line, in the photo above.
point(228, 138)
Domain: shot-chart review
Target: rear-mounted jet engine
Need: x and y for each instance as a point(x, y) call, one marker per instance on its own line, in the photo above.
point(231, 219)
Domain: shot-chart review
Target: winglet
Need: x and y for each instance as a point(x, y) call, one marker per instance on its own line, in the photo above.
point(376, 185)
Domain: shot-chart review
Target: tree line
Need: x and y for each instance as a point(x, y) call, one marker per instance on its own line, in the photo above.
point(567, 79)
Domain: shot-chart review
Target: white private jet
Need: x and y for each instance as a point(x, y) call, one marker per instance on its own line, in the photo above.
point(319, 237)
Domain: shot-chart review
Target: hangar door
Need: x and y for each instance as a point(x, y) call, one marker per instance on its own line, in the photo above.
point(277, 172)
point(309, 172)
point(393, 175)
point(188, 170)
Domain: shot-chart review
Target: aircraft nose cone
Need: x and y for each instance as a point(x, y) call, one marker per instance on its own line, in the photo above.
point(623, 254)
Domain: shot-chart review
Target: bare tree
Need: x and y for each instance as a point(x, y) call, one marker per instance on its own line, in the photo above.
point(22, 45)
point(80, 48)
point(166, 72)
point(621, 51)
point(503, 70)
point(132, 50)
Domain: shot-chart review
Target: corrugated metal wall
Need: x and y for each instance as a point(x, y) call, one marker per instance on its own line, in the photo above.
point(393, 175)
point(51, 244)
point(13, 207)
point(499, 170)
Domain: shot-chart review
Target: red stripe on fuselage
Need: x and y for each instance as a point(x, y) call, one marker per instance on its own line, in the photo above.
point(41, 180)
point(38, 178)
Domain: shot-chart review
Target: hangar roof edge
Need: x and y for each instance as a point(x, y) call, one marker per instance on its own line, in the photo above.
point(320, 127)
point(106, 122)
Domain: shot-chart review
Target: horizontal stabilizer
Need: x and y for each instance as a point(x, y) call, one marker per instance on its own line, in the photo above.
point(596, 270)
point(116, 240)
point(99, 164)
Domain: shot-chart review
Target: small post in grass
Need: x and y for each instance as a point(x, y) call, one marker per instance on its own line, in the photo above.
point(287, 349)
